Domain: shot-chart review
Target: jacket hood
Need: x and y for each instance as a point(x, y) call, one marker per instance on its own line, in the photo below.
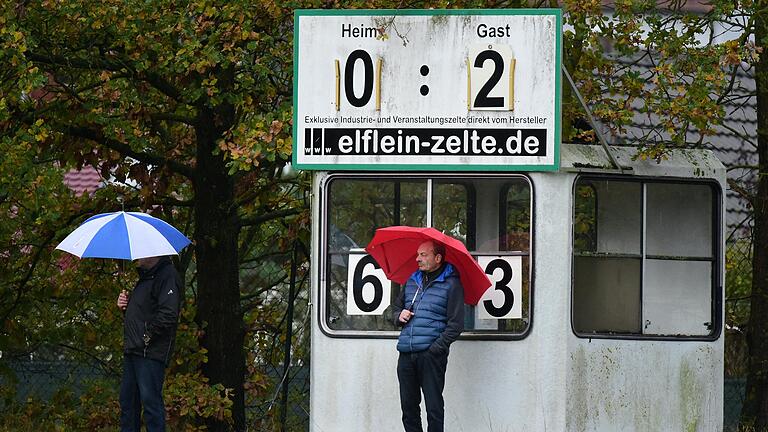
point(144, 273)
point(448, 271)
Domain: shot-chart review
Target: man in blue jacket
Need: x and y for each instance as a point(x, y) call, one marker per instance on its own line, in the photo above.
point(149, 333)
point(430, 309)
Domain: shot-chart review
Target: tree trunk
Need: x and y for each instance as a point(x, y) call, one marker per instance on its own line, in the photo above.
point(218, 286)
point(755, 409)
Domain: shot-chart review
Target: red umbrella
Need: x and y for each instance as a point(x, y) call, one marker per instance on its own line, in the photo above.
point(394, 248)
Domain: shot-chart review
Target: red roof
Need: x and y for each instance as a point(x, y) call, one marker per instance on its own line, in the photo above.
point(86, 180)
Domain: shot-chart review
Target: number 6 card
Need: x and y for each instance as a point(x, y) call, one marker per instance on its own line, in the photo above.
point(368, 289)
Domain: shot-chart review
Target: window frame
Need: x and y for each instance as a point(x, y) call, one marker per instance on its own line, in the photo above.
point(323, 270)
point(717, 259)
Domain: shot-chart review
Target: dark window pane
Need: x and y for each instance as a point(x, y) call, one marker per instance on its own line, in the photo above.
point(490, 215)
point(517, 235)
point(336, 301)
point(510, 200)
point(585, 218)
point(450, 209)
point(619, 216)
point(606, 295)
point(413, 203)
point(660, 284)
point(356, 208)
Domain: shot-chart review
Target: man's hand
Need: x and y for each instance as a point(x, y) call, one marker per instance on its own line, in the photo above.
point(405, 316)
point(122, 300)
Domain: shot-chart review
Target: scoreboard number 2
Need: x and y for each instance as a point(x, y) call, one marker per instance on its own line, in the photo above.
point(490, 78)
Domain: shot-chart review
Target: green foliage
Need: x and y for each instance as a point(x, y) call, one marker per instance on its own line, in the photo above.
point(680, 90)
point(145, 93)
point(189, 397)
point(149, 92)
point(96, 410)
point(738, 281)
point(585, 218)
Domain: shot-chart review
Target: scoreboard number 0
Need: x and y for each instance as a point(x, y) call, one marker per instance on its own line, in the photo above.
point(369, 84)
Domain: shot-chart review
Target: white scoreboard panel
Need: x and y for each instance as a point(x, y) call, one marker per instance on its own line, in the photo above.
point(427, 89)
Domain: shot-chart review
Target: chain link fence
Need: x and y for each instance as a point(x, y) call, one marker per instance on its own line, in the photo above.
point(41, 380)
point(738, 286)
point(733, 399)
point(269, 411)
point(735, 378)
point(268, 295)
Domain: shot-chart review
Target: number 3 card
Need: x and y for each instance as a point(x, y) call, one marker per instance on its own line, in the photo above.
point(503, 299)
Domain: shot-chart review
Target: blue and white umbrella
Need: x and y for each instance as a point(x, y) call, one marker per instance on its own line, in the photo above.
point(124, 235)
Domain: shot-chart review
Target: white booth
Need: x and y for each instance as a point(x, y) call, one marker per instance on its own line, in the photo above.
point(605, 311)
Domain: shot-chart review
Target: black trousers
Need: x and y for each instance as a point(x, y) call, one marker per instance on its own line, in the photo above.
point(142, 387)
point(422, 372)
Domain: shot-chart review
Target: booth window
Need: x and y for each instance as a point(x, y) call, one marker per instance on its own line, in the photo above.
point(645, 258)
point(491, 215)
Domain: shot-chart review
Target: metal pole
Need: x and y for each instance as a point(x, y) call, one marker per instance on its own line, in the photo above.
point(592, 121)
point(288, 338)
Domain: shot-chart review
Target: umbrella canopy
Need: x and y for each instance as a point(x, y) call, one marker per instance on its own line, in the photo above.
point(394, 248)
point(122, 235)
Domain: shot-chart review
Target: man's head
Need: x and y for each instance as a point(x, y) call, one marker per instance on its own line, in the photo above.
point(147, 263)
point(430, 256)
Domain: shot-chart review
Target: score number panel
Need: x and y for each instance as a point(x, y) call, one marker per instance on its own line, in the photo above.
point(369, 291)
point(490, 79)
point(427, 90)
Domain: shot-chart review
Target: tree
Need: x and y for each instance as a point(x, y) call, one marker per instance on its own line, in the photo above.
point(186, 100)
point(755, 410)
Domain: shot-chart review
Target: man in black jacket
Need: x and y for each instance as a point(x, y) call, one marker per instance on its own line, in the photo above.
point(149, 333)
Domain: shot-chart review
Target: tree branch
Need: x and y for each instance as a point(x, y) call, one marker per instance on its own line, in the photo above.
point(173, 118)
point(104, 365)
point(92, 64)
point(743, 135)
point(27, 276)
point(738, 227)
point(736, 187)
point(126, 150)
point(162, 85)
point(749, 167)
point(265, 217)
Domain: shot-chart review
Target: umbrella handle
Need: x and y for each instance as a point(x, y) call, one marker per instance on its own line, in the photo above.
point(410, 308)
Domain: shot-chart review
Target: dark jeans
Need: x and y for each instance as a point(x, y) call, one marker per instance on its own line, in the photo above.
point(142, 386)
point(422, 372)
